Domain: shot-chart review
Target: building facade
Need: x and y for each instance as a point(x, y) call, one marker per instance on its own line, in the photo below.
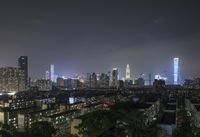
point(12, 79)
point(103, 81)
point(114, 78)
point(23, 65)
point(93, 81)
point(176, 71)
point(52, 75)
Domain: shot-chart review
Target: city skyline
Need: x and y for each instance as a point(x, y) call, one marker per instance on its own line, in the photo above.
point(74, 36)
point(123, 74)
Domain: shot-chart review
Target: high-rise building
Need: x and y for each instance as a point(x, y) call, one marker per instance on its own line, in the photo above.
point(88, 80)
point(23, 65)
point(115, 74)
point(150, 77)
point(110, 77)
point(43, 85)
point(176, 71)
point(60, 82)
point(103, 81)
point(159, 85)
point(47, 75)
point(75, 83)
point(72, 83)
point(128, 72)
point(93, 80)
point(114, 78)
point(52, 75)
point(12, 79)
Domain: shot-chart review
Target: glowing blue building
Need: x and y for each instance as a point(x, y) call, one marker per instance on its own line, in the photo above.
point(176, 71)
point(52, 76)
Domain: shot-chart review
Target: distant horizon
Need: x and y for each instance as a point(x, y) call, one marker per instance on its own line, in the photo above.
point(121, 73)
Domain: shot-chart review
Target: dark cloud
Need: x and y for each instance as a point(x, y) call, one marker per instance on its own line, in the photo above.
point(37, 21)
point(159, 20)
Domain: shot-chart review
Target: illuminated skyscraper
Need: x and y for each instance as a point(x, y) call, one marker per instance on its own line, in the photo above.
point(128, 72)
point(176, 71)
point(23, 65)
point(52, 76)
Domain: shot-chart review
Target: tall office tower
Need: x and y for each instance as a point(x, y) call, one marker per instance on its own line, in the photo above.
point(12, 79)
point(128, 72)
point(88, 80)
point(114, 74)
point(176, 71)
point(60, 82)
point(114, 78)
point(93, 80)
point(150, 77)
point(109, 75)
point(23, 65)
point(104, 81)
point(52, 76)
point(47, 75)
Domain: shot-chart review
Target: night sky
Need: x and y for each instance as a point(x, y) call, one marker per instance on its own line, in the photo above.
point(94, 36)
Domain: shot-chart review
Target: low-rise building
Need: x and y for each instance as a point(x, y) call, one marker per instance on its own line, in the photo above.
point(25, 120)
point(62, 121)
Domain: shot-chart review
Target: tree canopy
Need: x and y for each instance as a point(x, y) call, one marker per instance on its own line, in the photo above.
point(42, 129)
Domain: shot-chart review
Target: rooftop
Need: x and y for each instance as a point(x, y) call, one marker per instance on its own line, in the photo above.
point(63, 113)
